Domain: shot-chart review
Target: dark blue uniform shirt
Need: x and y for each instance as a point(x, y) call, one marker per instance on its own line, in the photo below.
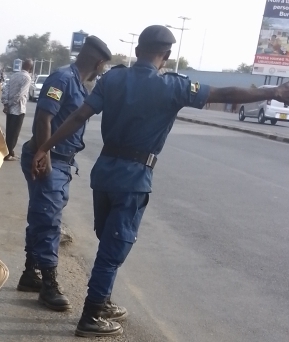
point(139, 107)
point(61, 94)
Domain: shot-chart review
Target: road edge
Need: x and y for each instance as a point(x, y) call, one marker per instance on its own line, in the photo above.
point(269, 136)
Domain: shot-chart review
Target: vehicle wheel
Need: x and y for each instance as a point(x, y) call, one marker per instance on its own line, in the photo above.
point(261, 117)
point(273, 121)
point(242, 114)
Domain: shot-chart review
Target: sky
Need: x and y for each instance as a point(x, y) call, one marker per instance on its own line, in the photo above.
point(222, 33)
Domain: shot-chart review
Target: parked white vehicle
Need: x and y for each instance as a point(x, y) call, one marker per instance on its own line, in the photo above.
point(265, 110)
point(36, 86)
point(4, 84)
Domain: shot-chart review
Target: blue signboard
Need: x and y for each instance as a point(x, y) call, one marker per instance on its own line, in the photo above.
point(17, 64)
point(78, 38)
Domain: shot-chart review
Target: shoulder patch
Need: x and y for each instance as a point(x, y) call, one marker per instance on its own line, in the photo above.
point(119, 66)
point(195, 87)
point(176, 74)
point(54, 93)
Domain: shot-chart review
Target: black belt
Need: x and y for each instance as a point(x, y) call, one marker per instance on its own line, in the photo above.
point(66, 159)
point(148, 159)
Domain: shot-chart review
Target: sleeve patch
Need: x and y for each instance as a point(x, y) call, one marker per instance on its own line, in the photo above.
point(195, 87)
point(54, 93)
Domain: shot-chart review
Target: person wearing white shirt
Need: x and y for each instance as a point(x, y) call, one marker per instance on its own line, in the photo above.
point(14, 99)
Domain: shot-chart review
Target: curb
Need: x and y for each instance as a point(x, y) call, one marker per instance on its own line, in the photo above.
point(269, 136)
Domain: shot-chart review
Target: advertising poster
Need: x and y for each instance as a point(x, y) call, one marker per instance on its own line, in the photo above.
point(272, 55)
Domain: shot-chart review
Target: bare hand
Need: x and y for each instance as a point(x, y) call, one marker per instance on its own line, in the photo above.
point(6, 109)
point(41, 165)
point(282, 93)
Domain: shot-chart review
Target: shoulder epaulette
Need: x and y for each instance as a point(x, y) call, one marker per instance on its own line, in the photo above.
point(118, 66)
point(176, 74)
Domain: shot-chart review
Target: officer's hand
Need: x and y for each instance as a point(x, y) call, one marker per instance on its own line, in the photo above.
point(282, 93)
point(41, 165)
point(45, 171)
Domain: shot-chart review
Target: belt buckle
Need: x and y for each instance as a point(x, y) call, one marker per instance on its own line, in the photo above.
point(150, 159)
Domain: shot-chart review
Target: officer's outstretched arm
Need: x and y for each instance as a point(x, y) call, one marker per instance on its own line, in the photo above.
point(240, 95)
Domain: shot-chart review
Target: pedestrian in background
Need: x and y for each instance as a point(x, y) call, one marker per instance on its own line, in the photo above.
point(14, 99)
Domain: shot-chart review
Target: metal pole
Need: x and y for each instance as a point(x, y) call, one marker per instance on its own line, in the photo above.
point(33, 72)
point(132, 42)
point(41, 66)
point(50, 61)
point(129, 62)
point(202, 51)
point(178, 58)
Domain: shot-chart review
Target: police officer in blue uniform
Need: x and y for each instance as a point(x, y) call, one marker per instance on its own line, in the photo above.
point(62, 93)
point(138, 108)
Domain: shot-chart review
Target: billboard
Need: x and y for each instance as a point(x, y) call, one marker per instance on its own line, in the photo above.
point(17, 65)
point(272, 55)
point(78, 38)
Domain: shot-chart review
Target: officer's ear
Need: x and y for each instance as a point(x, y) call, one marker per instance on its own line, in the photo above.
point(99, 64)
point(137, 52)
point(167, 55)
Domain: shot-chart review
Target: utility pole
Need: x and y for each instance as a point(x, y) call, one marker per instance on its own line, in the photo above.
point(182, 31)
point(50, 62)
point(41, 65)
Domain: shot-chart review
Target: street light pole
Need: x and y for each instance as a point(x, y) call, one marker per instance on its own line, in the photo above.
point(202, 51)
point(50, 61)
point(132, 42)
point(182, 31)
point(34, 66)
point(41, 65)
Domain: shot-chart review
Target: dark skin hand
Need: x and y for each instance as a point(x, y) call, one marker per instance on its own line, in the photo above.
point(217, 95)
point(43, 133)
point(6, 109)
point(41, 162)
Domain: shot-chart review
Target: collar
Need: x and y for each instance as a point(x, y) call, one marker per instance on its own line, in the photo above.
point(145, 64)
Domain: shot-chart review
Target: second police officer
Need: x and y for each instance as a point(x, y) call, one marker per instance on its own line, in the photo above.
point(139, 107)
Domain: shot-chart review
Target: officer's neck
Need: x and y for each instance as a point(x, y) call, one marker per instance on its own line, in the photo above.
point(84, 74)
point(154, 61)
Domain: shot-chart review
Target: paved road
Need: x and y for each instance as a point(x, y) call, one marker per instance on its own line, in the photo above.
point(211, 263)
point(222, 118)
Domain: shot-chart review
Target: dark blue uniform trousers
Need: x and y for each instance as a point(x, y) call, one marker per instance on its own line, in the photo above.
point(117, 216)
point(47, 198)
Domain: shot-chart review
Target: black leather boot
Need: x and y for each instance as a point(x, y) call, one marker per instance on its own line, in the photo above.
point(30, 281)
point(113, 312)
point(92, 324)
point(51, 294)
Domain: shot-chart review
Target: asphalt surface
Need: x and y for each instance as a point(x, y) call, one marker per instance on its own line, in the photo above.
point(279, 132)
point(211, 262)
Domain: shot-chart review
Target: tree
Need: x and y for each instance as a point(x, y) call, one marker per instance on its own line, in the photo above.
point(37, 48)
point(183, 64)
point(118, 59)
point(244, 68)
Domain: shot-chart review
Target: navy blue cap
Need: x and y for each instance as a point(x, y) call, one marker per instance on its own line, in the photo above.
point(99, 45)
point(156, 38)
